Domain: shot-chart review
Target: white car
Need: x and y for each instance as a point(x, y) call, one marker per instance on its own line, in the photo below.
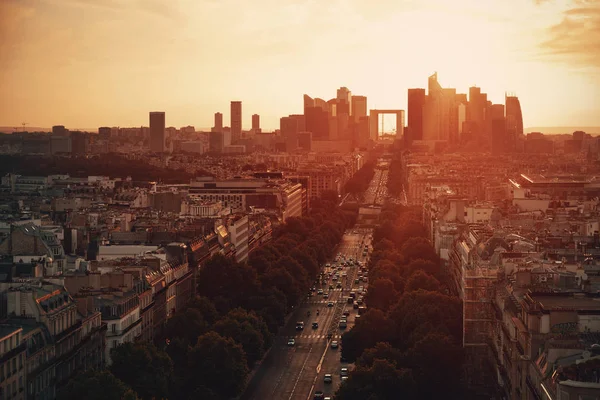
point(334, 344)
point(291, 342)
point(328, 378)
point(344, 371)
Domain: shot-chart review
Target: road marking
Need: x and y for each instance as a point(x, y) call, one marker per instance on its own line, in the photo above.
point(300, 374)
point(289, 359)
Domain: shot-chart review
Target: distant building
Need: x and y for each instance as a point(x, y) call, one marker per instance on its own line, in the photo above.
point(305, 141)
point(59, 130)
point(255, 123)
point(475, 116)
point(359, 108)
point(437, 112)
point(218, 122)
point(157, 132)
point(416, 102)
point(236, 121)
point(79, 143)
point(290, 127)
point(344, 97)
point(104, 131)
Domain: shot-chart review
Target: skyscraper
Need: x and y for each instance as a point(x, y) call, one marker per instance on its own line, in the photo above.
point(514, 117)
point(236, 121)
point(290, 127)
point(218, 122)
point(157, 132)
point(345, 96)
point(499, 138)
point(437, 110)
point(359, 108)
point(416, 102)
point(476, 112)
point(256, 123)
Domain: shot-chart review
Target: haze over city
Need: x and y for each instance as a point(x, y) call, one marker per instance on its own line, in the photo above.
point(299, 200)
point(89, 63)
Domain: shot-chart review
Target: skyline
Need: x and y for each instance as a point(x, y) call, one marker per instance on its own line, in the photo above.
point(86, 63)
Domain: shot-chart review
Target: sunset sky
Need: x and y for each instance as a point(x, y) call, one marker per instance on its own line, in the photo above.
point(90, 63)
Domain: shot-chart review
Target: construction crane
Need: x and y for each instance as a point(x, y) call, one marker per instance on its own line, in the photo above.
point(23, 124)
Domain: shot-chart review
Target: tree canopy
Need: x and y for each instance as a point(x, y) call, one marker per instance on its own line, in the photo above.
point(408, 343)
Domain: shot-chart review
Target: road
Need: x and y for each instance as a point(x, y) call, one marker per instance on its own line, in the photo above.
point(296, 372)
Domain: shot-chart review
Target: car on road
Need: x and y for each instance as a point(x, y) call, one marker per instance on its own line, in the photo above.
point(328, 378)
point(315, 325)
point(344, 378)
point(334, 344)
point(344, 371)
point(320, 291)
point(339, 285)
point(326, 296)
point(299, 325)
point(291, 342)
point(327, 398)
point(346, 313)
point(330, 304)
point(343, 325)
point(319, 395)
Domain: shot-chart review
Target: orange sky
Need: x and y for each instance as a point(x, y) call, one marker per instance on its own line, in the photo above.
point(89, 63)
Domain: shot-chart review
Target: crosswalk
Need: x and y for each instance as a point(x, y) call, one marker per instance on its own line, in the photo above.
point(324, 301)
point(315, 336)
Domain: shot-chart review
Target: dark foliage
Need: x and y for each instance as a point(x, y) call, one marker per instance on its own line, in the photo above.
point(408, 343)
point(112, 165)
point(96, 385)
point(146, 369)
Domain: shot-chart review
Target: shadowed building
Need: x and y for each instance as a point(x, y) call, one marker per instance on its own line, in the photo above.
point(256, 123)
point(236, 121)
point(436, 112)
point(157, 132)
point(218, 122)
point(359, 108)
point(514, 120)
point(416, 102)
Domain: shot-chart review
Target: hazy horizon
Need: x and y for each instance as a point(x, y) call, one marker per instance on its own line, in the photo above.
point(110, 62)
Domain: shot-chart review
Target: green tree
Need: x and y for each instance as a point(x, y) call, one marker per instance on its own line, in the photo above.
point(417, 248)
point(381, 381)
point(434, 353)
point(381, 294)
point(381, 351)
point(96, 385)
point(187, 324)
point(146, 369)
point(372, 327)
point(237, 326)
point(422, 280)
point(218, 364)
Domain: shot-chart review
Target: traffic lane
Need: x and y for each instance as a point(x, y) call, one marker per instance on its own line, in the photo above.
point(305, 360)
point(271, 372)
point(298, 379)
point(275, 373)
point(331, 362)
point(305, 380)
point(296, 376)
point(276, 369)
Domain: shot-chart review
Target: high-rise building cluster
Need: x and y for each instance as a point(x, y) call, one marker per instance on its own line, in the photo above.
point(447, 117)
point(339, 124)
